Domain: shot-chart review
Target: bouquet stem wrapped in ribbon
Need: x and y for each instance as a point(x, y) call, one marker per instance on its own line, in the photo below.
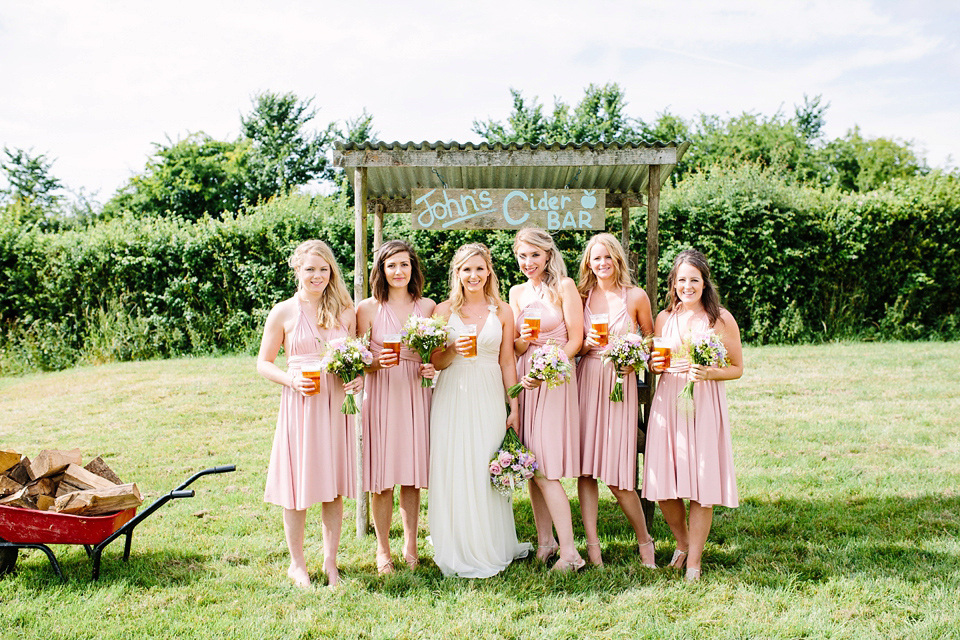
point(512, 465)
point(706, 349)
point(346, 358)
point(548, 363)
point(628, 350)
point(424, 335)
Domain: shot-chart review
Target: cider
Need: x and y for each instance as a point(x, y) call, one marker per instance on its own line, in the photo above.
point(534, 324)
point(598, 322)
point(392, 343)
point(662, 348)
point(470, 332)
point(313, 372)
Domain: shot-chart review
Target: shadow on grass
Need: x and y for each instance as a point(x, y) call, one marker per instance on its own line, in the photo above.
point(778, 545)
point(144, 569)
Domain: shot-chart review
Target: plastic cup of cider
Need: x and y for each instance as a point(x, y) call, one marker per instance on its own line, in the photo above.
point(531, 318)
point(392, 342)
point(661, 347)
point(313, 371)
point(598, 322)
point(470, 332)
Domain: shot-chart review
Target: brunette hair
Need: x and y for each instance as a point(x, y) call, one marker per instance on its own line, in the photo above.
point(491, 290)
point(335, 298)
point(378, 277)
point(554, 270)
point(621, 270)
point(709, 298)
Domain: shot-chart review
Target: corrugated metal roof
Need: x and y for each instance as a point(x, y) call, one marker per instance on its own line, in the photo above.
point(394, 168)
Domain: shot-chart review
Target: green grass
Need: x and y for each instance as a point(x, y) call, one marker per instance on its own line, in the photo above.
point(848, 460)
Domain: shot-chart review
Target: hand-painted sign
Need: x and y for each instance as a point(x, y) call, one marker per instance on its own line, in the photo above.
point(551, 209)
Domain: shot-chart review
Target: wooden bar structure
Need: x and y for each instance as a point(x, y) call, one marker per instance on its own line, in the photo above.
point(384, 174)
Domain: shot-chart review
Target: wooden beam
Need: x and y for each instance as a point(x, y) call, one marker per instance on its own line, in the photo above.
point(441, 157)
point(359, 293)
point(403, 205)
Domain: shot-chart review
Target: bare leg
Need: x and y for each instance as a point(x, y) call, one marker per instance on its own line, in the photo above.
point(701, 518)
point(675, 513)
point(589, 494)
point(382, 504)
point(629, 502)
point(559, 507)
point(410, 516)
point(332, 525)
point(294, 523)
point(546, 543)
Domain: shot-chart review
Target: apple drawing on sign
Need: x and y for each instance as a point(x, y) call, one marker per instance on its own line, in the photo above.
point(588, 201)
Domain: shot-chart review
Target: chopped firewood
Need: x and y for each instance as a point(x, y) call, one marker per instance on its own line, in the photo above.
point(79, 479)
point(19, 499)
point(20, 472)
point(44, 503)
point(100, 468)
point(51, 462)
point(9, 486)
point(42, 487)
point(9, 459)
point(99, 501)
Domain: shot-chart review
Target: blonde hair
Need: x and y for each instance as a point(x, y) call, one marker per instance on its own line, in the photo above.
point(335, 298)
point(554, 271)
point(491, 289)
point(621, 270)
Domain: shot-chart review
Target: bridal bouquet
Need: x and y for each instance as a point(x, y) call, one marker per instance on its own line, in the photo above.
point(548, 363)
point(627, 350)
point(512, 466)
point(706, 349)
point(423, 335)
point(346, 357)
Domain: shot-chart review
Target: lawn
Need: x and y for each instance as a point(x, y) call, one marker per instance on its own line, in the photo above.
point(848, 461)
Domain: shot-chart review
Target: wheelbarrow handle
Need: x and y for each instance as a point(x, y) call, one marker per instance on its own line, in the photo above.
point(183, 493)
point(221, 469)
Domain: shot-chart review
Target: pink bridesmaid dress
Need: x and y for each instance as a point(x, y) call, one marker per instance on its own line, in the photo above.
point(608, 430)
point(396, 415)
point(314, 446)
point(550, 418)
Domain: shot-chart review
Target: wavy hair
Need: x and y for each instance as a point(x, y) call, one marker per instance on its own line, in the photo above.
point(491, 290)
point(621, 269)
point(378, 277)
point(335, 297)
point(710, 299)
point(554, 270)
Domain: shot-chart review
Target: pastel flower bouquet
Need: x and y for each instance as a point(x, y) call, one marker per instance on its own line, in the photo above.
point(512, 466)
point(626, 350)
point(346, 358)
point(548, 363)
point(706, 349)
point(423, 335)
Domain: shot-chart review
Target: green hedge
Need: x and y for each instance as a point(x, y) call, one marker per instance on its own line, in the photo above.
point(792, 263)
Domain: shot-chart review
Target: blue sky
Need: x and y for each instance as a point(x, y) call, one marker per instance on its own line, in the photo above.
point(94, 84)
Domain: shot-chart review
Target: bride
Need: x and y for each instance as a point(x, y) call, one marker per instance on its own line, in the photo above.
point(471, 525)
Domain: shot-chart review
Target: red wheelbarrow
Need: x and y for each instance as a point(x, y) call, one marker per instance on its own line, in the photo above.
point(31, 529)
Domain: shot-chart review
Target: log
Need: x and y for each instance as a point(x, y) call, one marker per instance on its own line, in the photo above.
point(45, 502)
point(99, 467)
point(76, 478)
point(9, 486)
point(53, 461)
point(19, 499)
point(9, 459)
point(21, 472)
point(99, 501)
point(42, 487)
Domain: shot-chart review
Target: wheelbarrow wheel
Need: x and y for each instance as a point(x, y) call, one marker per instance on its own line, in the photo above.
point(8, 559)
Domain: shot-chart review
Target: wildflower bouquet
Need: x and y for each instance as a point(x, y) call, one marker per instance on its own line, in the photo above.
point(627, 350)
point(548, 363)
point(346, 357)
point(706, 349)
point(423, 335)
point(512, 466)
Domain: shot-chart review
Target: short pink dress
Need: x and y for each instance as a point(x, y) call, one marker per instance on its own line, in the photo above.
point(550, 418)
point(396, 415)
point(314, 447)
point(608, 430)
point(689, 455)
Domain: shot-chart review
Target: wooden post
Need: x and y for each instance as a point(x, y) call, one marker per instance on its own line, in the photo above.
point(359, 293)
point(625, 233)
point(378, 227)
point(653, 231)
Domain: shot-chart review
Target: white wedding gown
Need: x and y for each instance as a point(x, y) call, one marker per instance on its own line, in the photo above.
point(471, 525)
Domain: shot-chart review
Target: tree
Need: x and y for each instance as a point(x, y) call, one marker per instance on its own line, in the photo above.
point(33, 192)
point(283, 155)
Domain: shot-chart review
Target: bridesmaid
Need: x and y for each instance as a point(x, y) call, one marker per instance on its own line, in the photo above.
point(396, 408)
point(608, 430)
point(689, 454)
point(549, 420)
point(313, 456)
